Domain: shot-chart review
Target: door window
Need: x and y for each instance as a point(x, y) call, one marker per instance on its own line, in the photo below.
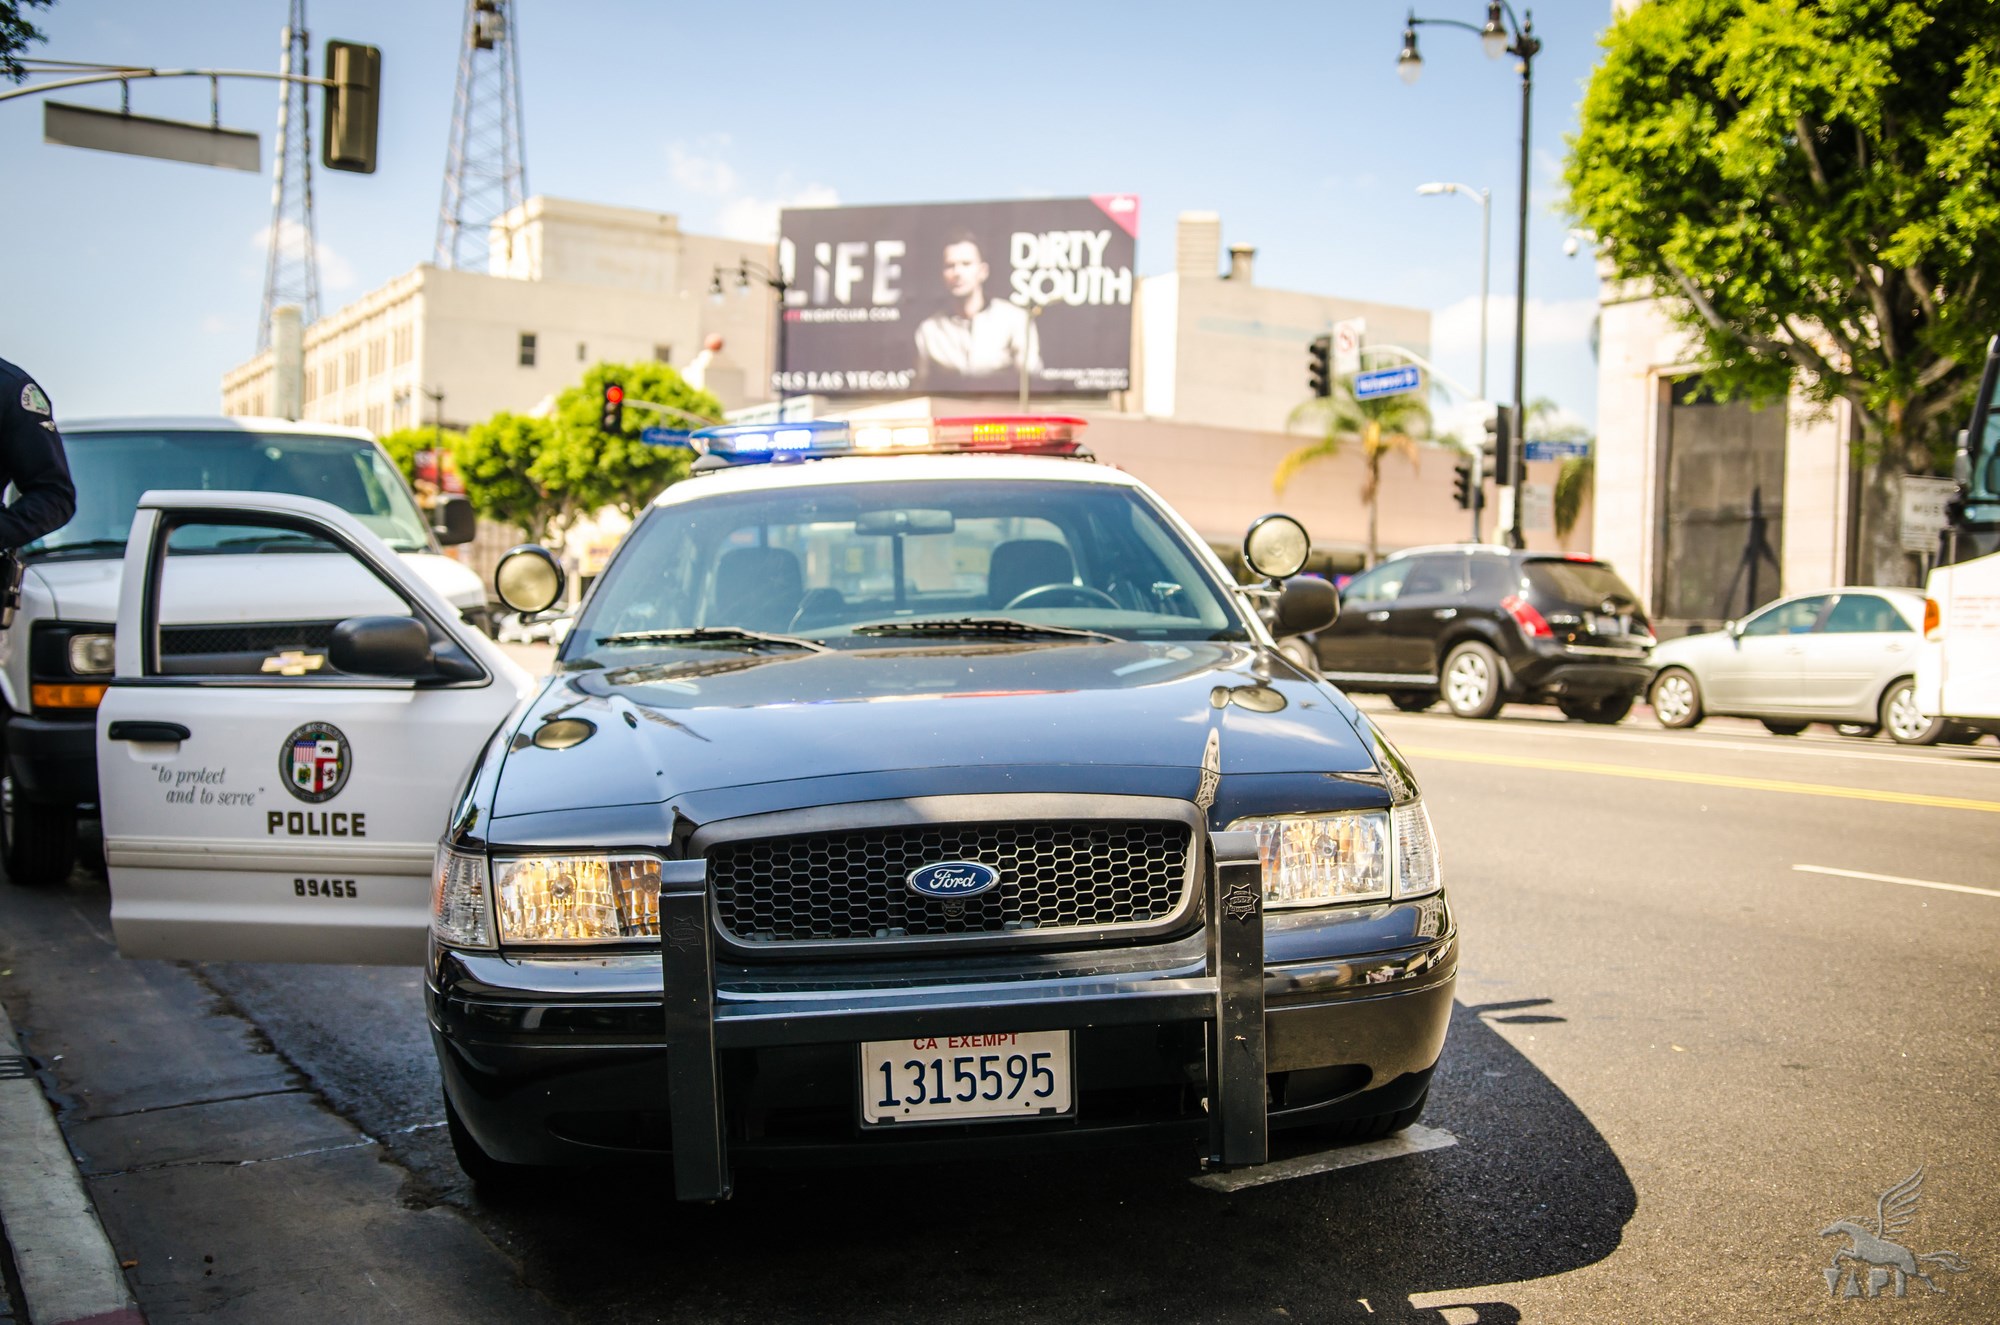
point(1441, 575)
point(1796, 617)
point(1864, 614)
point(1379, 585)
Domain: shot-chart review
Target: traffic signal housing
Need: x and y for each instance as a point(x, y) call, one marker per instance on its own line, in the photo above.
point(1464, 490)
point(353, 107)
point(1498, 448)
point(613, 418)
point(1319, 366)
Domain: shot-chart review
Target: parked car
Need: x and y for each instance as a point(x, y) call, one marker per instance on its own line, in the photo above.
point(57, 655)
point(1843, 656)
point(1482, 626)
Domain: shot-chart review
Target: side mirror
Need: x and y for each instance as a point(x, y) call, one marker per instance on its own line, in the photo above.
point(1303, 606)
point(453, 522)
point(1734, 629)
point(1276, 547)
point(529, 579)
point(381, 646)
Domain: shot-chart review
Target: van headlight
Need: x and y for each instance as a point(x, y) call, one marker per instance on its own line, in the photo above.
point(577, 899)
point(92, 655)
point(1347, 856)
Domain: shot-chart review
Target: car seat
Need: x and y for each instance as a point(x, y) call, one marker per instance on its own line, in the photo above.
point(1024, 564)
point(757, 588)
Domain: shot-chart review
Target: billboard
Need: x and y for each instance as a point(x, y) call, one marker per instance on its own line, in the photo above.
point(956, 298)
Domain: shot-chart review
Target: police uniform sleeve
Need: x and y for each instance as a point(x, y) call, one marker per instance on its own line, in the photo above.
point(31, 455)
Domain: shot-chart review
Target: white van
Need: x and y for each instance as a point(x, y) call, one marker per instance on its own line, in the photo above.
point(57, 655)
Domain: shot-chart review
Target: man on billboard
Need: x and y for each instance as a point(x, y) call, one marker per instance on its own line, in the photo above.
point(973, 341)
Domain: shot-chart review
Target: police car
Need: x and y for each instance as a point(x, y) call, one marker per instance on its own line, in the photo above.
point(898, 788)
point(240, 601)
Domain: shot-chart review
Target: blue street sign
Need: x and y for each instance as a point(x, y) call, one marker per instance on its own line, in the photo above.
point(1386, 382)
point(1555, 450)
point(665, 437)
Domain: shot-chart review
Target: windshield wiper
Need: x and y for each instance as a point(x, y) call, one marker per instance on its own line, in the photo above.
point(970, 626)
point(711, 635)
point(80, 547)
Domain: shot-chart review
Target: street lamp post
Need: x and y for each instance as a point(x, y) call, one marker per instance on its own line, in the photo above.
point(1484, 197)
point(1512, 37)
point(746, 271)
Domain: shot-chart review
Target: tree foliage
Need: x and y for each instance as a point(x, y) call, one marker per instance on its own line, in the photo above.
point(16, 34)
point(1379, 427)
point(404, 443)
point(589, 468)
point(1820, 184)
point(496, 460)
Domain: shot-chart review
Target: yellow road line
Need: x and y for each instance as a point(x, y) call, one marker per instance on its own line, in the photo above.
point(1706, 779)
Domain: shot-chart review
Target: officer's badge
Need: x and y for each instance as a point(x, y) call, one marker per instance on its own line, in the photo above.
point(34, 400)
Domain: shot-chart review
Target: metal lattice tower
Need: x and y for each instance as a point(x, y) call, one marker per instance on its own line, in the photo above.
point(291, 275)
point(484, 173)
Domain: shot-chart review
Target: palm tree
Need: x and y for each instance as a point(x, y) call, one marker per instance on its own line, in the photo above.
point(1382, 425)
point(1577, 476)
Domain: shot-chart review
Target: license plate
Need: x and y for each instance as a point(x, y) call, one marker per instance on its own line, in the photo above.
point(951, 1078)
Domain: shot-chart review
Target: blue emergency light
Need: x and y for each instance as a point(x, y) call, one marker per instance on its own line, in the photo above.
point(759, 443)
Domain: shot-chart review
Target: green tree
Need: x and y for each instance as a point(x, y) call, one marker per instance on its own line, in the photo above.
point(404, 443)
point(587, 468)
point(1380, 426)
point(1819, 184)
point(496, 459)
point(16, 33)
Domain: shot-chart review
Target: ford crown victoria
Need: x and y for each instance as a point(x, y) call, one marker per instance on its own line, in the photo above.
point(897, 789)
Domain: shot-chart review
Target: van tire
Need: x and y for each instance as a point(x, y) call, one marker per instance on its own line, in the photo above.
point(37, 840)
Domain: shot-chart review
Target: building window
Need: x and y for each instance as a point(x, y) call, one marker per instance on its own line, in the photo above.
point(581, 354)
point(330, 376)
point(378, 356)
point(311, 385)
point(663, 354)
point(353, 367)
point(527, 349)
point(403, 339)
point(375, 418)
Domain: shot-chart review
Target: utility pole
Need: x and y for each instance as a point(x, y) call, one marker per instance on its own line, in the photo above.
point(291, 271)
point(485, 174)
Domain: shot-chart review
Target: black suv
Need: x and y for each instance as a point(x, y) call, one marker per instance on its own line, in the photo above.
point(1484, 626)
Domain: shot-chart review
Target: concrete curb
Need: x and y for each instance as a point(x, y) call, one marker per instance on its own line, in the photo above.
point(69, 1273)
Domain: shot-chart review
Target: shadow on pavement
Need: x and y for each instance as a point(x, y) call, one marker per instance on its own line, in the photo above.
point(1531, 1190)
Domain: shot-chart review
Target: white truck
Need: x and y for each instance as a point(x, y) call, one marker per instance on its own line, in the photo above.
point(57, 655)
point(1958, 666)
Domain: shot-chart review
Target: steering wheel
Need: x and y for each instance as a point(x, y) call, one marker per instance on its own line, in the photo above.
point(1030, 597)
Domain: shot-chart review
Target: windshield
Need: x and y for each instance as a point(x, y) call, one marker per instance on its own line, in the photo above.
point(112, 470)
point(877, 565)
point(1583, 583)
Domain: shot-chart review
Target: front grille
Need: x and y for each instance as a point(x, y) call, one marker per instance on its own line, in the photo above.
point(260, 637)
point(847, 886)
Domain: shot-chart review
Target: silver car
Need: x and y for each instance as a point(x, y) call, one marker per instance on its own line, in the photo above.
point(1843, 656)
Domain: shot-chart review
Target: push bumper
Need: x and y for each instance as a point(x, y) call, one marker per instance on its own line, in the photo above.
point(1227, 1036)
point(1551, 676)
point(52, 760)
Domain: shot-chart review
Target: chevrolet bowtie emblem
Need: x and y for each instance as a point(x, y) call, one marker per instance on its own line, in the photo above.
point(294, 662)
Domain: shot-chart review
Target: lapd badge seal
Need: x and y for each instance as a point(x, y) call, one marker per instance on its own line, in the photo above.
point(315, 761)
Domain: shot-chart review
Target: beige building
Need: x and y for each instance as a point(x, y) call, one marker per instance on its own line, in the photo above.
point(569, 284)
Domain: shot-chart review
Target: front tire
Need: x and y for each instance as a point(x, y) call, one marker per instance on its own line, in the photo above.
point(1777, 728)
point(37, 839)
point(1413, 701)
point(1904, 722)
point(1473, 687)
point(1676, 699)
point(1352, 1130)
point(1606, 709)
point(491, 1176)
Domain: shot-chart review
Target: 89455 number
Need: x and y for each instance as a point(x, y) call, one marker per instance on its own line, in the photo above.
point(323, 887)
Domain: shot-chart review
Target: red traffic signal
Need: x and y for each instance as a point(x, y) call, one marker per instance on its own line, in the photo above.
point(613, 417)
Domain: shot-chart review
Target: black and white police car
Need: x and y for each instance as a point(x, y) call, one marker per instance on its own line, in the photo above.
point(898, 786)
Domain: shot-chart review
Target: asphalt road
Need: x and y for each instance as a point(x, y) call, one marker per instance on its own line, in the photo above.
point(1677, 1056)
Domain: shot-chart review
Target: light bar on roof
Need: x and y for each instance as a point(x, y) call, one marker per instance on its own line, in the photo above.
point(760, 443)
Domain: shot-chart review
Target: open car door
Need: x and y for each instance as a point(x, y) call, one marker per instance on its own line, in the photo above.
point(292, 712)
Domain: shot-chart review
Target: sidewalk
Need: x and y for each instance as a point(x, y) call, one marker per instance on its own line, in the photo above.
point(67, 1271)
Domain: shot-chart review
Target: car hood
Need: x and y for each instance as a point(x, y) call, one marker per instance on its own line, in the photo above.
point(1688, 648)
point(707, 719)
point(225, 588)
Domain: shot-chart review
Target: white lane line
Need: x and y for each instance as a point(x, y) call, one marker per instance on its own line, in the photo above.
point(1897, 878)
point(1409, 1141)
point(1778, 745)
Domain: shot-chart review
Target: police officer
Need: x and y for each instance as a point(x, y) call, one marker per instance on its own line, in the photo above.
point(31, 458)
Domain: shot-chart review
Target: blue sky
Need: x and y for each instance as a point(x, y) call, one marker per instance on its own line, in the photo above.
point(134, 283)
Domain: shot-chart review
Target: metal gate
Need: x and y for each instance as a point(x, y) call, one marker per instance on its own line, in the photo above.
point(1722, 506)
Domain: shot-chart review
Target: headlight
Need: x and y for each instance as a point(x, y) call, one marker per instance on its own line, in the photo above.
point(460, 915)
point(1351, 856)
point(91, 655)
point(577, 899)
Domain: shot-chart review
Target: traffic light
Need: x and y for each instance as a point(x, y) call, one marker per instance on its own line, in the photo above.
point(353, 107)
point(1463, 490)
point(1319, 366)
point(1498, 449)
point(613, 418)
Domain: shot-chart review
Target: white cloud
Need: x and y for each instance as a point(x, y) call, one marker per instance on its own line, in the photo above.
point(1455, 327)
point(335, 271)
point(703, 171)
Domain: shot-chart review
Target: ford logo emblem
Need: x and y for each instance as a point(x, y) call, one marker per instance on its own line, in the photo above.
point(953, 880)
